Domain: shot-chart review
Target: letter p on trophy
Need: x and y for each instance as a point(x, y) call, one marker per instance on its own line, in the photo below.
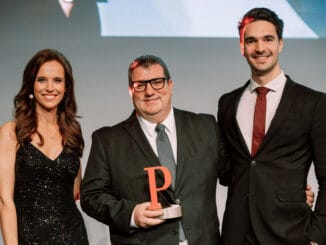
point(174, 210)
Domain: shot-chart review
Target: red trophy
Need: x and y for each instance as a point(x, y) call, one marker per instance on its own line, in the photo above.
point(174, 210)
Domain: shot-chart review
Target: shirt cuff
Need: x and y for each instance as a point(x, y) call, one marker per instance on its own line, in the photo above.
point(132, 220)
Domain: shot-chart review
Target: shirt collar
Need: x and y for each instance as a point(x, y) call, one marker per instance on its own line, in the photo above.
point(276, 84)
point(149, 127)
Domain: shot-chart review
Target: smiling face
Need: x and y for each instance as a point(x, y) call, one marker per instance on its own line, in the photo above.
point(261, 47)
point(153, 105)
point(49, 86)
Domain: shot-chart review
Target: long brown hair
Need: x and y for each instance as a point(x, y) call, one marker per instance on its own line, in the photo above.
point(25, 114)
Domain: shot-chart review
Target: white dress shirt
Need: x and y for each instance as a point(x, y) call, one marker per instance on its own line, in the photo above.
point(170, 129)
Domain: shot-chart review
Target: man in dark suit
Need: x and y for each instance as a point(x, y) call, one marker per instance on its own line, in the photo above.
point(115, 187)
point(270, 150)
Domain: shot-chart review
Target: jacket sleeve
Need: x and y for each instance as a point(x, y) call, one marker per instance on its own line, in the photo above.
point(318, 139)
point(225, 171)
point(98, 198)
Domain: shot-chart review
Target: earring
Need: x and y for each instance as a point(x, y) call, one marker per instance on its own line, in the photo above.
point(31, 96)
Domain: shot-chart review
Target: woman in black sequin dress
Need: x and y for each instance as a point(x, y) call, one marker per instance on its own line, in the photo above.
point(40, 158)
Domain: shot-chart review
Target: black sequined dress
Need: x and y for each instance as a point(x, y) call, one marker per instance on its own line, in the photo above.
point(46, 210)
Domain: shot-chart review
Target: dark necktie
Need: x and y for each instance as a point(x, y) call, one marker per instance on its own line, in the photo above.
point(164, 150)
point(165, 155)
point(259, 119)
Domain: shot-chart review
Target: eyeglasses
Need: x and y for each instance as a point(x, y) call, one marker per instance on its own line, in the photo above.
point(156, 84)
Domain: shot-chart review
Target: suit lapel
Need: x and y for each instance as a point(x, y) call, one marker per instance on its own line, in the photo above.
point(234, 108)
point(133, 127)
point(182, 144)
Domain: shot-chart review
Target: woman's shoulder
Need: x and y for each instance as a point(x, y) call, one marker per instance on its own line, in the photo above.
point(7, 132)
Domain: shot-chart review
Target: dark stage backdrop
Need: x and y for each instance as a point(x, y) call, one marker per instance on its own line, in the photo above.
point(202, 68)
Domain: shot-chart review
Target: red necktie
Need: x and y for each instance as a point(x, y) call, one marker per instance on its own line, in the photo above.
point(259, 119)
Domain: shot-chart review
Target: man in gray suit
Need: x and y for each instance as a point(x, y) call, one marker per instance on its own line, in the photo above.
point(115, 188)
point(271, 141)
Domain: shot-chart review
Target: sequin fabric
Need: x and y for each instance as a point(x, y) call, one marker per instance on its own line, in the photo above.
point(46, 210)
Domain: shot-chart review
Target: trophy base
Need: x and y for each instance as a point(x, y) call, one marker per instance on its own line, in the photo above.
point(172, 212)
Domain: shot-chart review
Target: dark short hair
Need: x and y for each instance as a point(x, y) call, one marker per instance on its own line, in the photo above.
point(261, 14)
point(146, 61)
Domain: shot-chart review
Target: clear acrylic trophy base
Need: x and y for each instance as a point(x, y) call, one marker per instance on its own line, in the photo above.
point(172, 212)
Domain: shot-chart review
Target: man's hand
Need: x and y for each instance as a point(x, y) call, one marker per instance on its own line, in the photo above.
point(145, 218)
point(310, 196)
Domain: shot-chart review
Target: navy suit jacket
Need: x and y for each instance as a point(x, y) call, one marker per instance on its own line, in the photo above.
point(268, 190)
point(115, 181)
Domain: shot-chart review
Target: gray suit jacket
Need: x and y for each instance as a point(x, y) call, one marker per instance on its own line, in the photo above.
point(115, 181)
point(269, 189)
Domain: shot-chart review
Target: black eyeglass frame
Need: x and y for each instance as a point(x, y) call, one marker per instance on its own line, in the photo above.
point(151, 82)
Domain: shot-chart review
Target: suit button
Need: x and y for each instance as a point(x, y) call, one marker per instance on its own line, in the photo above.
point(253, 163)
